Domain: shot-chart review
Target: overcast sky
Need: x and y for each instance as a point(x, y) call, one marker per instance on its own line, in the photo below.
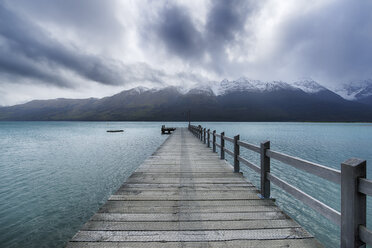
point(84, 48)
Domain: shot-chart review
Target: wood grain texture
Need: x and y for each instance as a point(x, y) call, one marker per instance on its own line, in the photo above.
point(184, 195)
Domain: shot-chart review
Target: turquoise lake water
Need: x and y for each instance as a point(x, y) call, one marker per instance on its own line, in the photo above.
point(55, 175)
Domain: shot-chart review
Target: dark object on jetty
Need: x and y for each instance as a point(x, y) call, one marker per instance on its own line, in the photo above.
point(115, 131)
point(167, 130)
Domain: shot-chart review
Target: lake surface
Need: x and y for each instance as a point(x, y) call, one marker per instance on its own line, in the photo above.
point(55, 175)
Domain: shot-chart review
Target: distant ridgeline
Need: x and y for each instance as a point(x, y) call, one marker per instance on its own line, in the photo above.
point(241, 100)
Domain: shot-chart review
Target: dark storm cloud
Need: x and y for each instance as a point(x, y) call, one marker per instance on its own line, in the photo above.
point(334, 42)
point(176, 30)
point(28, 52)
point(226, 20)
point(91, 18)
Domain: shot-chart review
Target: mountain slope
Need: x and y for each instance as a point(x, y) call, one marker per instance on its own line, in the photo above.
point(359, 91)
point(240, 100)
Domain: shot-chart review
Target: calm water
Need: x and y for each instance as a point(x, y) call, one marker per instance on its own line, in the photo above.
point(55, 175)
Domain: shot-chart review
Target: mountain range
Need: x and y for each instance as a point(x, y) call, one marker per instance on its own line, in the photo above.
point(237, 100)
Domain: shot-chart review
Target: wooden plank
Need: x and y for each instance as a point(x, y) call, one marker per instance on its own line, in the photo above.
point(288, 243)
point(228, 151)
point(189, 236)
point(322, 171)
point(365, 235)
point(265, 215)
point(186, 175)
point(188, 225)
point(365, 186)
point(315, 204)
point(205, 203)
point(249, 146)
point(185, 180)
point(249, 164)
point(210, 186)
point(228, 139)
point(119, 208)
point(184, 195)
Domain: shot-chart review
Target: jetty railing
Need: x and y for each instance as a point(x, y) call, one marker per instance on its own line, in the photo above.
point(352, 178)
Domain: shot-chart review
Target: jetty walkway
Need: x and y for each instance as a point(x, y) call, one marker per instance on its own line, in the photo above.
point(184, 195)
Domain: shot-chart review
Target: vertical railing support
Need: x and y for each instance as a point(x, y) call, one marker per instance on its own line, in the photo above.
point(353, 203)
point(209, 138)
point(265, 168)
point(201, 133)
point(236, 154)
point(214, 141)
point(222, 146)
point(205, 137)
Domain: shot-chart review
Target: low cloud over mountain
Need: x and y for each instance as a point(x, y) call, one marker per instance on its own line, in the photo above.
point(238, 100)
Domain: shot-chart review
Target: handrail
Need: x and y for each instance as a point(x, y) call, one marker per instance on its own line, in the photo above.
point(315, 204)
point(249, 164)
point(365, 234)
point(228, 151)
point(365, 186)
point(228, 139)
point(249, 146)
point(352, 178)
point(310, 167)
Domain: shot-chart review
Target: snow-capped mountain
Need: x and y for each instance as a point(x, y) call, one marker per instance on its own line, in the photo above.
point(237, 100)
point(249, 85)
point(309, 86)
point(356, 91)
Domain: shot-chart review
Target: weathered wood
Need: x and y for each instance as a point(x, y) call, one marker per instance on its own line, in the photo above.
point(290, 243)
point(249, 146)
point(353, 203)
point(365, 186)
point(188, 225)
point(214, 140)
point(236, 154)
point(209, 138)
point(205, 139)
point(249, 164)
point(315, 204)
point(190, 236)
point(222, 151)
point(189, 216)
point(365, 235)
point(228, 151)
point(313, 168)
point(228, 139)
point(265, 168)
point(186, 196)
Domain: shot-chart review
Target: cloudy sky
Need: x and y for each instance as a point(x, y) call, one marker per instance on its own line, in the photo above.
point(84, 48)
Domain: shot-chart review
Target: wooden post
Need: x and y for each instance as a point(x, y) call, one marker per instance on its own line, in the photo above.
point(236, 153)
point(205, 137)
point(353, 203)
point(265, 167)
point(214, 141)
point(209, 138)
point(201, 133)
point(222, 146)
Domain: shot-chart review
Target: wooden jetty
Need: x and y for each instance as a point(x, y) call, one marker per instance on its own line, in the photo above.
point(184, 195)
